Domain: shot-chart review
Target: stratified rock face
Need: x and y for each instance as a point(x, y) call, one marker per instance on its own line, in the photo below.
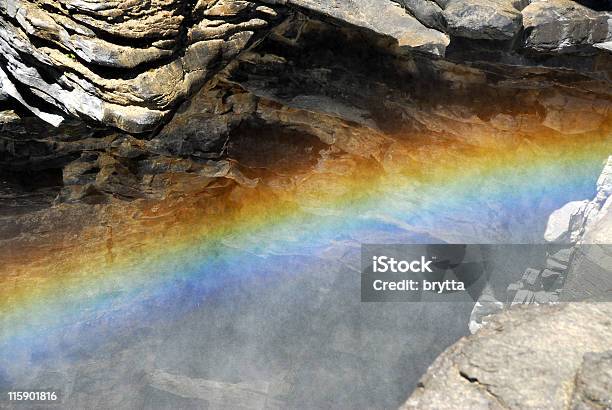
point(124, 64)
point(130, 64)
point(528, 358)
point(204, 115)
point(331, 86)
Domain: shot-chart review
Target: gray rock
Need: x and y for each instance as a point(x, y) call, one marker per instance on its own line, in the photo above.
point(544, 298)
point(523, 297)
point(442, 3)
point(563, 25)
point(212, 393)
point(594, 382)
point(553, 264)
point(383, 17)
point(563, 256)
point(607, 46)
point(562, 223)
point(589, 274)
point(3, 94)
point(483, 19)
point(550, 279)
point(527, 357)
point(427, 12)
point(512, 290)
point(531, 278)
point(486, 306)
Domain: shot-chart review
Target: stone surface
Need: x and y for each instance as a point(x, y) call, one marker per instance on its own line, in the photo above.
point(131, 67)
point(427, 12)
point(524, 358)
point(115, 63)
point(562, 25)
point(483, 19)
point(384, 17)
point(594, 382)
point(585, 221)
point(485, 307)
point(561, 222)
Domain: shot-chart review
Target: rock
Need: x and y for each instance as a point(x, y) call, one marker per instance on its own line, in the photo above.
point(512, 290)
point(543, 297)
point(585, 221)
point(80, 64)
point(8, 117)
point(531, 278)
point(131, 69)
point(383, 17)
point(3, 94)
point(484, 307)
point(550, 279)
point(427, 12)
point(8, 88)
point(505, 365)
point(574, 116)
point(563, 25)
point(607, 46)
point(555, 265)
point(212, 393)
point(594, 382)
point(588, 277)
point(597, 223)
point(483, 19)
point(562, 222)
point(562, 256)
point(523, 297)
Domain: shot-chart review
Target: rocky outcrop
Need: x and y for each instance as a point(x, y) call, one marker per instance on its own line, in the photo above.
point(552, 357)
point(576, 269)
point(122, 64)
point(484, 19)
point(584, 221)
point(384, 18)
point(130, 66)
point(563, 25)
point(359, 99)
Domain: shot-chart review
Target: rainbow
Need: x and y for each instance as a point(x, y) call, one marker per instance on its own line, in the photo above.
point(176, 254)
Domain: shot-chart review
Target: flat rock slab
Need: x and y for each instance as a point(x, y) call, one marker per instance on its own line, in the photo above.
point(383, 17)
point(524, 358)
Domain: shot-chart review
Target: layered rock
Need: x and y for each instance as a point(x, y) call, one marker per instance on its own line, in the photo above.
point(130, 66)
point(360, 99)
point(120, 64)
